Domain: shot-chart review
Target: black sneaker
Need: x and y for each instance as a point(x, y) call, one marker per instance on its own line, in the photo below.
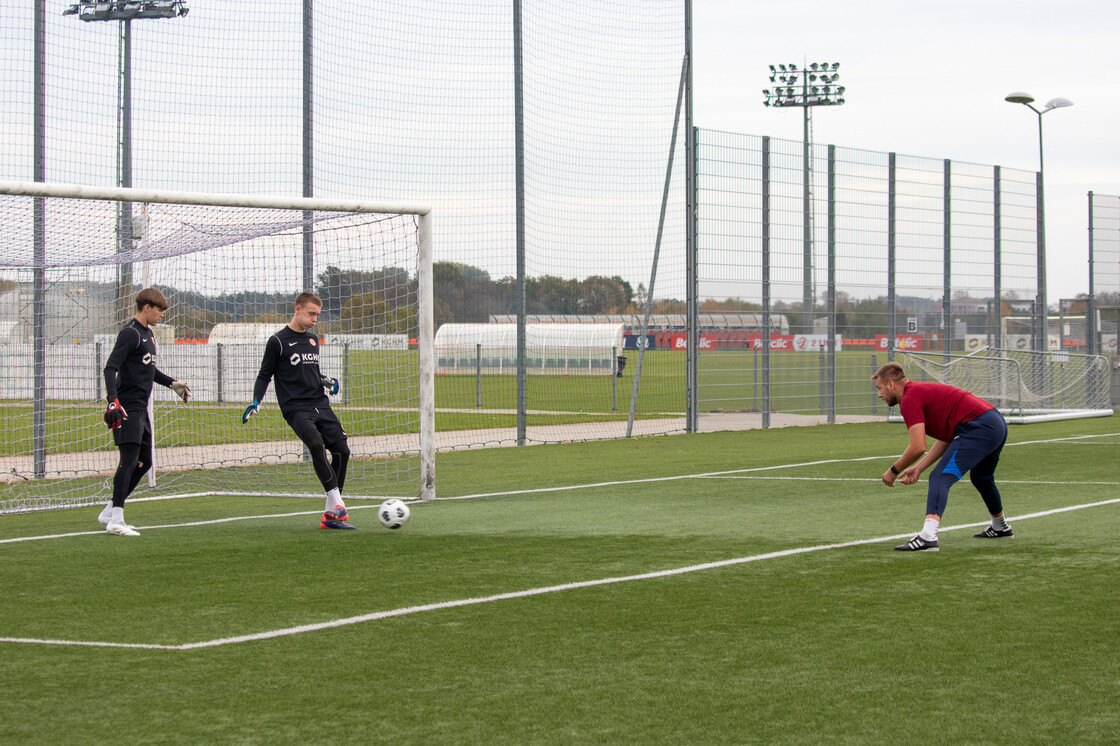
point(918, 544)
point(995, 533)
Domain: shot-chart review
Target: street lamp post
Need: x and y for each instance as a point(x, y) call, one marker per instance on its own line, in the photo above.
point(1042, 336)
point(812, 85)
point(125, 11)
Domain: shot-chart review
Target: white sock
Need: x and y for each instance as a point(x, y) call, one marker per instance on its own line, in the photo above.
point(118, 516)
point(999, 523)
point(106, 512)
point(334, 499)
point(929, 530)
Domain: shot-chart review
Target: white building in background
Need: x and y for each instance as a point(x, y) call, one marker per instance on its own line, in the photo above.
point(550, 348)
point(74, 312)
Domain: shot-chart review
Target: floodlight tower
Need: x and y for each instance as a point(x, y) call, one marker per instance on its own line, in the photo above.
point(125, 11)
point(1042, 343)
point(812, 85)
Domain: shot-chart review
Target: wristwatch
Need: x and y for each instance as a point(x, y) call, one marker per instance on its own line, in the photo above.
point(894, 470)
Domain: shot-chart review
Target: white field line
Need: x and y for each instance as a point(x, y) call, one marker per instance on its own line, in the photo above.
point(534, 591)
point(188, 524)
point(271, 634)
point(408, 610)
point(865, 479)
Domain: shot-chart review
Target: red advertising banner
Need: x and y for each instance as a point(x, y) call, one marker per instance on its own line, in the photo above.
point(680, 342)
point(798, 342)
point(901, 342)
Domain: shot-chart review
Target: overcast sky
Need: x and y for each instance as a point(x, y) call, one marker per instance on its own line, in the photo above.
point(929, 79)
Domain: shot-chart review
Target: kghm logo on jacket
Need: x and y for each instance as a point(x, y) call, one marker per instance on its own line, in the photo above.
point(148, 358)
point(306, 357)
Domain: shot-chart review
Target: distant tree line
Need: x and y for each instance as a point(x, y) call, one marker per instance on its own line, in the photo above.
point(383, 301)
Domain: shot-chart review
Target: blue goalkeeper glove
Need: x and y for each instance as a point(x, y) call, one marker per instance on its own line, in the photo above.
point(250, 410)
point(330, 384)
point(114, 414)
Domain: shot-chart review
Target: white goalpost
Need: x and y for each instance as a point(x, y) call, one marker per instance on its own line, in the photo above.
point(72, 258)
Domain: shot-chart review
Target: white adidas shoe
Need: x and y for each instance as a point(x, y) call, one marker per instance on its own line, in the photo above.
point(121, 529)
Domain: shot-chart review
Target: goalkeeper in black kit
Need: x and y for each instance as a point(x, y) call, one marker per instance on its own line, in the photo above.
point(291, 356)
point(129, 374)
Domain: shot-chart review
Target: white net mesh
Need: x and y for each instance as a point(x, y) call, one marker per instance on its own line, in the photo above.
point(1024, 385)
point(226, 271)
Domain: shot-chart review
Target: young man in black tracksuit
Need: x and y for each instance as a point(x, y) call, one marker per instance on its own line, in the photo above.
point(291, 356)
point(129, 374)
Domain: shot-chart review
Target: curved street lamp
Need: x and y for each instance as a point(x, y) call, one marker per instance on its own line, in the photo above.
point(1026, 99)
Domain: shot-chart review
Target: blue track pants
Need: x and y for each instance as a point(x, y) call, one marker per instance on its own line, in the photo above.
point(975, 449)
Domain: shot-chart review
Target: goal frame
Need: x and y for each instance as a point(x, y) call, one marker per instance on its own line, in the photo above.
point(425, 317)
point(1016, 414)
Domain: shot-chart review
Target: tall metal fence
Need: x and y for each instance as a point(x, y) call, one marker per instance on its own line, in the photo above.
point(425, 100)
point(916, 253)
point(551, 120)
point(1101, 308)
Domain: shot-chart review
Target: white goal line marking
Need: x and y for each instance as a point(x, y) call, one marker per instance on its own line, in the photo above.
point(439, 606)
point(566, 488)
point(731, 472)
point(188, 524)
point(769, 478)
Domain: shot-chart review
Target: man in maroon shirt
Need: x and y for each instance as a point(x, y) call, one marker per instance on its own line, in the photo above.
point(968, 434)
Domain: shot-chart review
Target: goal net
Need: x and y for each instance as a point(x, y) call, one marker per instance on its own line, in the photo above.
point(71, 262)
point(1026, 386)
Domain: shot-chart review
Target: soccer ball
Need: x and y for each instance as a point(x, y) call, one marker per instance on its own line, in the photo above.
point(393, 513)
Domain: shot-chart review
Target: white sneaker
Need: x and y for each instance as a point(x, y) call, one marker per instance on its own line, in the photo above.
point(106, 518)
point(121, 529)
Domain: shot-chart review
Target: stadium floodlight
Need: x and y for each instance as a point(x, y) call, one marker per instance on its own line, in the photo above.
point(1019, 97)
point(95, 10)
point(799, 93)
point(125, 11)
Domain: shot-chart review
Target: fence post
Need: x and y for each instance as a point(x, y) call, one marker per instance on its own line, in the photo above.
point(97, 372)
point(614, 379)
point(478, 375)
point(822, 405)
point(875, 397)
point(346, 374)
point(765, 282)
point(755, 397)
point(831, 341)
point(218, 371)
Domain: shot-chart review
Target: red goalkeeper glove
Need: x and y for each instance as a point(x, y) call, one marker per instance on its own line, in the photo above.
point(114, 414)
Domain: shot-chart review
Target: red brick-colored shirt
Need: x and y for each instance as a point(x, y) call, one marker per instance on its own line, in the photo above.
point(940, 406)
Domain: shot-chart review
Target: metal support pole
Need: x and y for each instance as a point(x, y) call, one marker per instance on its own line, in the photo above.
point(765, 282)
point(308, 145)
point(892, 246)
point(39, 236)
point(218, 368)
point(874, 396)
point(519, 188)
point(947, 263)
point(124, 173)
point(1091, 305)
point(1042, 333)
point(831, 284)
point(807, 294)
point(614, 379)
point(692, 302)
point(995, 337)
